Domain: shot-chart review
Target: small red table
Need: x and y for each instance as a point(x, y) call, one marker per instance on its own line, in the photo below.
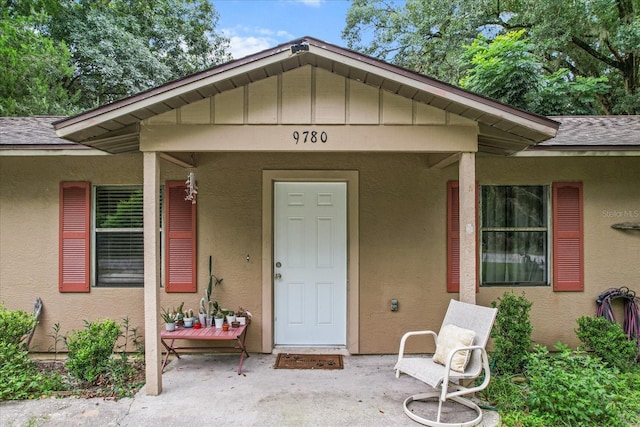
point(238, 335)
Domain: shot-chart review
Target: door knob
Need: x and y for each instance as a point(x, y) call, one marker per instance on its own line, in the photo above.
point(278, 276)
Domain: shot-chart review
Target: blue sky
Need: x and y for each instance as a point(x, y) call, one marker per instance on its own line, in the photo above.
point(255, 25)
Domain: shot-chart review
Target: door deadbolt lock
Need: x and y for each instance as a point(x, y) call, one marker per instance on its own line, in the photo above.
point(278, 264)
point(278, 276)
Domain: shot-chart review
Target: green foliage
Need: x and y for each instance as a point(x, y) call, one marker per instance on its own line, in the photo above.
point(511, 333)
point(563, 93)
point(91, 348)
point(503, 69)
point(128, 213)
point(598, 42)
point(15, 324)
point(122, 47)
point(505, 393)
point(575, 389)
point(59, 57)
point(32, 70)
point(19, 377)
point(608, 341)
point(57, 338)
point(121, 371)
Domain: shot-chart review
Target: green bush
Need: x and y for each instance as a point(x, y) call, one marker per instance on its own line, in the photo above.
point(19, 376)
point(15, 324)
point(511, 334)
point(570, 388)
point(608, 341)
point(90, 349)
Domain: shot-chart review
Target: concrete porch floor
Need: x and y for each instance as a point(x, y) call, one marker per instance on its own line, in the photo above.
point(206, 390)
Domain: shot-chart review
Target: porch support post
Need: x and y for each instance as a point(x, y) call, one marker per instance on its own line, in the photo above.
point(468, 215)
point(153, 352)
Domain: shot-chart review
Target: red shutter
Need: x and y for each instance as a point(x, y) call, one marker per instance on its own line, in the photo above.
point(568, 257)
point(180, 239)
point(453, 237)
point(74, 232)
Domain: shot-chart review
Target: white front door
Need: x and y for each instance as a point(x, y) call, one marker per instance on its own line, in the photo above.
point(310, 263)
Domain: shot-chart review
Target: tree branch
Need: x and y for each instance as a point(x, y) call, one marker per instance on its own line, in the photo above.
point(594, 53)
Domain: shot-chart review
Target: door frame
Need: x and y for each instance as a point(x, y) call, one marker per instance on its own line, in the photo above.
point(269, 177)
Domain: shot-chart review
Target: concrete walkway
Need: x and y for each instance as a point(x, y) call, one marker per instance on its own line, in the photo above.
point(205, 390)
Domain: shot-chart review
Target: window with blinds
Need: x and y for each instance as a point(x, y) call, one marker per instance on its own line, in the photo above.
point(119, 244)
point(514, 235)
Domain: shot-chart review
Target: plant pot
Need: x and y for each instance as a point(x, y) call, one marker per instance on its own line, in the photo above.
point(170, 326)
point(218, 322)
point(203, 319)
point(225, 327)
point(231, 319)
point(235, 324)
point(242, 320)
point(188, 322)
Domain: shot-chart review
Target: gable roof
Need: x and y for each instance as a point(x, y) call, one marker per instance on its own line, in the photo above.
point(32, 132)
point(594, 133)
point(115, 127)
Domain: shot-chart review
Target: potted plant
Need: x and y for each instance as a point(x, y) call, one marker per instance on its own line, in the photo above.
point(243, 316)
point(188, 319)
point(202, 312)
point(169, 318)
point(231, 317)
point(211, 312)
point(180, 315)
point(218, 318)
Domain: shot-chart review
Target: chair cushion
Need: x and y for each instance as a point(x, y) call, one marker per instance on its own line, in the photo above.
point(450, 338)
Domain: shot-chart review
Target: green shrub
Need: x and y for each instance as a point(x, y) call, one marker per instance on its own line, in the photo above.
point(608, 341)
point(19, 376)
point(576, 389)
point(511, 334)
point(90, 349)
point(15, 324)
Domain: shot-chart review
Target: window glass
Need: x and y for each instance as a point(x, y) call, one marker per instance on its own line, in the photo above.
point(514, 235)
point(119, 245)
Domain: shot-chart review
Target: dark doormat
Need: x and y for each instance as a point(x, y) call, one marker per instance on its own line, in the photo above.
point(309, 361)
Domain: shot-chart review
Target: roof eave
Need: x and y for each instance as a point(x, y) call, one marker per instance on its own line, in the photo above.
point(519, 128)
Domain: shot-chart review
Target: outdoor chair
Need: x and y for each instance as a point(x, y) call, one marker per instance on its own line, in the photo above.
point(460, 357)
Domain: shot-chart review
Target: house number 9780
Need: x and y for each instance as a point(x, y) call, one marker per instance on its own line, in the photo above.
point(312, 137)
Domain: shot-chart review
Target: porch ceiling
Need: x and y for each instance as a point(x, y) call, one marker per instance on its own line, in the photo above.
point(115, 127)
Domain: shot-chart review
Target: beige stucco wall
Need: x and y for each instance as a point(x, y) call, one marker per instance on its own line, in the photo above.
point(611, 187)
point(401, 231)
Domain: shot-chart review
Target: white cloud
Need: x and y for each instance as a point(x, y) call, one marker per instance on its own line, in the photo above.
point(313, 3)
point(249, 40)
point(243, 46)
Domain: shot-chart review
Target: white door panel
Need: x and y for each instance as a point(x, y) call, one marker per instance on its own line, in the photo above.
point(310, 263)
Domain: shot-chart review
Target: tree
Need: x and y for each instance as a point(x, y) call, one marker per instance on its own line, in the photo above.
point(32, 69)
point(589, 38)
point(121, 47)
point(98, 51)
point(505, 69)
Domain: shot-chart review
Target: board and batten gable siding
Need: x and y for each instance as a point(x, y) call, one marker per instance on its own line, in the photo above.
point(308, 95)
